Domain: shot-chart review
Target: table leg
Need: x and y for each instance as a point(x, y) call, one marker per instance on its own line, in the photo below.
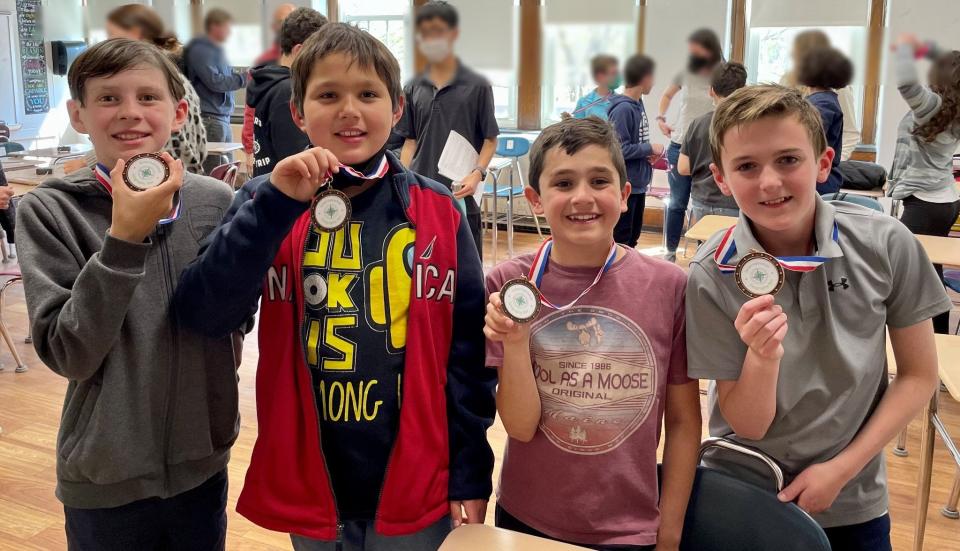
point(496, 229)
point(900, 450)
point(950, 509)
point(927, 440)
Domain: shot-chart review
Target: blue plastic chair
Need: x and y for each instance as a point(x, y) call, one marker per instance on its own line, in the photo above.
point(10, 147)
point(861, 200)
point(512, 148)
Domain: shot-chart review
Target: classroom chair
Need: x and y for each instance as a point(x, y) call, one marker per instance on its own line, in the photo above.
point(861, 200)
point(727, 513)
point(510, 148)
point(227, 173)
point(10, 147)
point(13, 276)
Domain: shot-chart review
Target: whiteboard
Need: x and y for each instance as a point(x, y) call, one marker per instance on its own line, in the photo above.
point(9, 79)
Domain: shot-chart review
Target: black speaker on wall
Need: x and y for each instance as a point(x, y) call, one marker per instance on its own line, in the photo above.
point(63, 54)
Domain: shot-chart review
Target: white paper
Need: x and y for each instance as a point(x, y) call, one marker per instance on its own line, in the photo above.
point(457, 160)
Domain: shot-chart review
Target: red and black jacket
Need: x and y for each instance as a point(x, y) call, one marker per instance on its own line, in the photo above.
point(440, 452)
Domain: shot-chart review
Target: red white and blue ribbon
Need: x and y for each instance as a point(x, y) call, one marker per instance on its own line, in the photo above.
point(380, 171)
point(728, 249)
point(103, 176)
point(540, 266)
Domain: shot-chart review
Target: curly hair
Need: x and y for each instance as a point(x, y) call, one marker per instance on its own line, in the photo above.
point(945, 82)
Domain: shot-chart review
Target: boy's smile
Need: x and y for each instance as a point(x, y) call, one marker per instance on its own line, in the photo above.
point(347, 109)
point(127, 113)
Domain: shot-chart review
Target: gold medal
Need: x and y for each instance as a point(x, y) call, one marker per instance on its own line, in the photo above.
point(331, 210)
point(521, 300)
point(145, 171)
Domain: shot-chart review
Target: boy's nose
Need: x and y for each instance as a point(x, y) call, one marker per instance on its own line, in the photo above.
point(349, 108)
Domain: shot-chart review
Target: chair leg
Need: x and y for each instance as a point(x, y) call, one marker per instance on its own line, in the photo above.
point(950, 509)
point(21, 367)
point(900, 450)
point(927, 440)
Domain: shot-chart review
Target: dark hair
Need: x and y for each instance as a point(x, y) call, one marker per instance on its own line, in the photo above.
point(708, 39)
point(437, 9)
point(944, 80)
point(727, 78)
point(637, 67)
point(601, 63)
point(216, 16)
point(150, 25)
point(360, 46)
point(298, 26)
point(825, 68)
point(110, 57)
point(571, 135)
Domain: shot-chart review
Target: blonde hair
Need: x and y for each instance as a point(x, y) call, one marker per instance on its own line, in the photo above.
point(753, 103)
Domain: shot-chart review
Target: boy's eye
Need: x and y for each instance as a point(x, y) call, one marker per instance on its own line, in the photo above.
point(600, 181)
point(106, 99)
point(326, 95)
point(149, 97)
point(562, 184)
point(789, 160)
point(369, 94)
point(743, 167)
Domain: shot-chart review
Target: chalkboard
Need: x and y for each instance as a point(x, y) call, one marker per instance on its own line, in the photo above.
point(33, 58)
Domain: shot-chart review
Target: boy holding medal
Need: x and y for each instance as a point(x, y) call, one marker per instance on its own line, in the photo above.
point(842, 275)
point(587, 376)
point(372, 398)
point(150, 411)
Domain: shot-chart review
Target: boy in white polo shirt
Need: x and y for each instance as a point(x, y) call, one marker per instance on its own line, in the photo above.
point(802, 375)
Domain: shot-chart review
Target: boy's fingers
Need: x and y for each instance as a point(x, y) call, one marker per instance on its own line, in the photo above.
point(456, 515)
point(774, 341)
point(751, 307)
point(748, 331)
point(792, 490)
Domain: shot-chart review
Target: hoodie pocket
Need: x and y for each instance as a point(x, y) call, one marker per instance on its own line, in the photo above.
point(76, 416)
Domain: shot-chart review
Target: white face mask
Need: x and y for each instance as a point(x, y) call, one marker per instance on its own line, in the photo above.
point(435, 49)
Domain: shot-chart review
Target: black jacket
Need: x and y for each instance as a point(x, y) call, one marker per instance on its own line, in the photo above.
point(275, 136)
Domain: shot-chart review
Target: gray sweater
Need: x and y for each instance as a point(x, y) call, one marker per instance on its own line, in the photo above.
point(150, 408)
point(921, 168)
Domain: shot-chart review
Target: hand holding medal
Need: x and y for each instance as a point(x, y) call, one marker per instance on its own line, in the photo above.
point(141, 199)
point(501, 326)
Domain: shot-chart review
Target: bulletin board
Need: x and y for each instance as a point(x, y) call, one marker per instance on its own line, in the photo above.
point(33, 57)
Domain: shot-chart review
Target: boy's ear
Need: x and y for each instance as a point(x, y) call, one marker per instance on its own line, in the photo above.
point(712, 93)
point(298, 118)
point(718, 178)
point(180, 115)
point(624, 195)
point(398, 113)
point(296, 50)
point(73, 108)
point(825, 164)
point(536, 205)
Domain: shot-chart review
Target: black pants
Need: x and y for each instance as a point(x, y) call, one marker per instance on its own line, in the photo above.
point(627, 230)
point(925, 218)
point(195, 520)
point(873, 535)
point(505, 520)
point(8, 221)
point(473, 220)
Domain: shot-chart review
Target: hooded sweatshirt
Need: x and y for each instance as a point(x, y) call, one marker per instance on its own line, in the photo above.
point(275, 136)
point(150, 408)
point(205, 64)
point(629, 119)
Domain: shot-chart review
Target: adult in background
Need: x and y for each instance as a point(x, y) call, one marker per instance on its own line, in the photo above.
point(705, 53)
point(139, 22)
point(803, 44)
point(8, 213)
point(215, 81)
point(269, 57)
point(447, 96)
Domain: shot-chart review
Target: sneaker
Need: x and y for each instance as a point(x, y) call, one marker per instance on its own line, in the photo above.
point(670, 256)
point(13, 251)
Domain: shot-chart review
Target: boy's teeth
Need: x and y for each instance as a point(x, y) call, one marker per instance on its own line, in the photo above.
point(583, 216)
point(775, 201)
point(350, 133)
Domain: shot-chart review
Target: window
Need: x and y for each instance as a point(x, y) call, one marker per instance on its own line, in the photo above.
point(388, 21)
point(574, 32)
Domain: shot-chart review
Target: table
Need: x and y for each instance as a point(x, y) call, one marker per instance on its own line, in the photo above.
point(220, 148)
point(76, 150)
point(480, 537)
point(709, 225)
point(876, 193)
point(941, 250)
point(31, 178)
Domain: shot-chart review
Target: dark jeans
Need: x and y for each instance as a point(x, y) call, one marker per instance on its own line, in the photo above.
point(359, 535)
point(679, 197)
point(8, 221)
point(627, 230)
point(925, 218)
point(194, 520)
point(473, 220)
point(218, 130)
point(505, 520)
point(873, 535)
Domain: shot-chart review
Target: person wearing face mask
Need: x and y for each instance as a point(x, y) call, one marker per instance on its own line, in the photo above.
point(705, 53)
point(607, 76)
point(447, 96)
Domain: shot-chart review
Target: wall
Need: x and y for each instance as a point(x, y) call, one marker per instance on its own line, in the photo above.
point(668, 24)
point(936, 20)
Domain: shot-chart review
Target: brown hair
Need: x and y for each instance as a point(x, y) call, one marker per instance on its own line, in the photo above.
point(110, 57)
point(601, 63)
point(216, 16)
point(945, 82)
point(150, 25)
point(753, 103)
point(727, 78)
point(571, 135)
point(803, 43)
point(825, 68)
point(360, 46)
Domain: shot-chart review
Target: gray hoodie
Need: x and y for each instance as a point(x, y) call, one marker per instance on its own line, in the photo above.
point(150, 409)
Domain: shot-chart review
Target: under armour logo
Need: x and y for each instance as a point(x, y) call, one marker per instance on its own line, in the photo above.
point(843, 284)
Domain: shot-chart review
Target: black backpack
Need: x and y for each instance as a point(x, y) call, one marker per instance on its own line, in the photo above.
point(862, 175)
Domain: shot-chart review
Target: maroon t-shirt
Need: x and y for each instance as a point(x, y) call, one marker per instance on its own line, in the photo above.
point(590, 473)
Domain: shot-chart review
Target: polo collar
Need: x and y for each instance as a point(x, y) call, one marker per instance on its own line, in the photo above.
point(823, 229)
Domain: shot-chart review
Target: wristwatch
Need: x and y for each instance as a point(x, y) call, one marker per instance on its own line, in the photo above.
point(661, 118)
point(482, 171)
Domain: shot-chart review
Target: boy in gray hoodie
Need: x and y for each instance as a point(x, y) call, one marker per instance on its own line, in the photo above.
point(150, 410)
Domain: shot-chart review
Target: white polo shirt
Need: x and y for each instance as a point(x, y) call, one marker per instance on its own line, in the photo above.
point(833, 372)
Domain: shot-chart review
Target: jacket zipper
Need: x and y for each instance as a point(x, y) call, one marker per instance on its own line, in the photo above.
point(170, 402)
point(303, 353)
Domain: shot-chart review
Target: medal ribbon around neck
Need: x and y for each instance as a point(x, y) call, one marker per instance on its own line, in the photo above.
point(379, 172)
point(103, 176)
point(540, 266)
point(728, 249)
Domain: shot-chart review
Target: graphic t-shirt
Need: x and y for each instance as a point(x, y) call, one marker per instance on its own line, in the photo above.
point(356, 285)
point(590, 473)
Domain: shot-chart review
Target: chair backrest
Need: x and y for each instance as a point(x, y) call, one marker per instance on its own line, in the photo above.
point(226, 172)
point(512, 146)
point(10, 147)
point(861, 200)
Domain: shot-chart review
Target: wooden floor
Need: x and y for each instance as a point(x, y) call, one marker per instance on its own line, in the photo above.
point(32, 518)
